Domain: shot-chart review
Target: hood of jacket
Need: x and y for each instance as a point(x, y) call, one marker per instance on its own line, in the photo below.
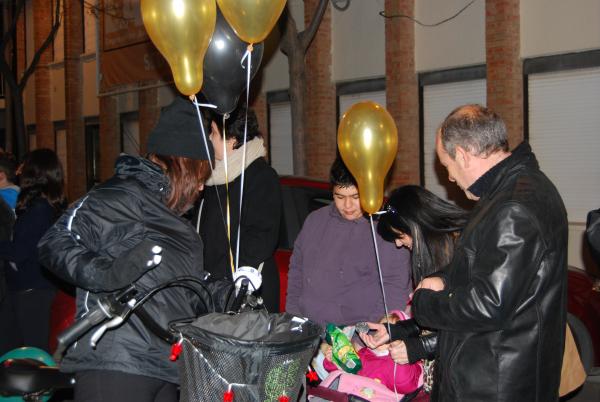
point(146, 172)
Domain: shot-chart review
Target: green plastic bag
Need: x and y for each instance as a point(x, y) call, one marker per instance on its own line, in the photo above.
point(343, 353)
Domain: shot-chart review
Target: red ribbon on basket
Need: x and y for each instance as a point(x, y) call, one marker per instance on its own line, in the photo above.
point(228, 395)
point(283, 398)
point(176, 350)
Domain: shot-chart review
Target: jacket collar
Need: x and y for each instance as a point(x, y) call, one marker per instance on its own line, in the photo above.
point(491, 179)
point(335, 214)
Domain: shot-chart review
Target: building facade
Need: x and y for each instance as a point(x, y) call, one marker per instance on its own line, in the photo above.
point(99, 89)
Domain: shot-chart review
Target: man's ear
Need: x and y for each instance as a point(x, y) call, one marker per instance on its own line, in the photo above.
point(462, 157)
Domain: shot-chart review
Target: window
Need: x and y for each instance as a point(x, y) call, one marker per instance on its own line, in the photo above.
point(92, 154)
point(346, 101)
point(564, 132)
point(280, 133)
point(442, 92)
point(562, 125)
point(130, 134)
point(349, 93)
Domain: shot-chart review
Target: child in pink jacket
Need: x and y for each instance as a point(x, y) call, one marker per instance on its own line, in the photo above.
point(379, 366)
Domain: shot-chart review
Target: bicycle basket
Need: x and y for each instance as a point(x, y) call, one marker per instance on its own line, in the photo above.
point(258, 356)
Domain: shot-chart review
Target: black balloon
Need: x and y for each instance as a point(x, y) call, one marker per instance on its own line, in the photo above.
point(224, 75)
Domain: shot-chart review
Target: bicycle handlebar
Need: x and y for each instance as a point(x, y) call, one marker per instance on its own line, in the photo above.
point(78, 329)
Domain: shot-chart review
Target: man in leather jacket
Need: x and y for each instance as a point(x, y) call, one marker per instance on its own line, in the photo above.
point(500, 306)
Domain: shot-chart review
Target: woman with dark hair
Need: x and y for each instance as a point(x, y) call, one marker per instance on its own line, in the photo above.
point(25, 313)
point(419, 220)
point(261, 204)
point(128, 230)
point(425, 224)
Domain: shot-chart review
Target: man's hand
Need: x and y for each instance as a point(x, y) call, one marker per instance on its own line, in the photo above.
point(378, 338)
point(398, 352)
point(434, 283)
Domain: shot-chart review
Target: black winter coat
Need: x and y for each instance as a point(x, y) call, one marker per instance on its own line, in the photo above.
point(261, 214)
point(502, 315)
point(7, 220)
point(89, 246)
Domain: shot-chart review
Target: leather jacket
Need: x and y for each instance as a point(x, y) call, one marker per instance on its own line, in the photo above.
point(502, 315)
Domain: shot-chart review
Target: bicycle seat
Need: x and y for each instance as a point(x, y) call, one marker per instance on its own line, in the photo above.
point(20, 377)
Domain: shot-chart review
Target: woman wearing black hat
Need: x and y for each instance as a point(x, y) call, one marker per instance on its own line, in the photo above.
point(129, 229)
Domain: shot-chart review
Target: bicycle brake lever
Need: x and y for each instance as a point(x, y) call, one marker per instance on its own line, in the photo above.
point(115, 322)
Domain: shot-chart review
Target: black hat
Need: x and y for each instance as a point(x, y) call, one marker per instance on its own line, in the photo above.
point(178, 132)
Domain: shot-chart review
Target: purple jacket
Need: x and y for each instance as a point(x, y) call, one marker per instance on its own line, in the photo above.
point(333, 271)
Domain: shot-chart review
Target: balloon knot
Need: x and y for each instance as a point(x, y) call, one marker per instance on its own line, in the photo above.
point(192, 97)
point(250, 47)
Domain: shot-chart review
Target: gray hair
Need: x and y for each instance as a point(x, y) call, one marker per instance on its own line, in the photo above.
point(474, 128)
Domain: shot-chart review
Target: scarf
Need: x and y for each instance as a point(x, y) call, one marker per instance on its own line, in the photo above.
point(256, 149)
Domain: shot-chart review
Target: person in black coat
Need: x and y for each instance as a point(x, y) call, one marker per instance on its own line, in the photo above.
point(261, 205)
point(500, 305)
point(25, 312)
point(129, 230)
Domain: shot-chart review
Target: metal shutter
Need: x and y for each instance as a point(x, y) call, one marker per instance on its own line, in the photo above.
point(438, 101)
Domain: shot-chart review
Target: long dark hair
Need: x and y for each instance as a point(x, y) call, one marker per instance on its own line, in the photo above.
point(432, 223)
point(41, 176)
point(185, 178)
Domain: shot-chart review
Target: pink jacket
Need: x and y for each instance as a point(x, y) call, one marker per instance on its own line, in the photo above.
point(409, 377)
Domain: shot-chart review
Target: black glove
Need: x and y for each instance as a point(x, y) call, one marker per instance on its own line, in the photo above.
point(132, 264)
point(421, 347)
point(403, 330)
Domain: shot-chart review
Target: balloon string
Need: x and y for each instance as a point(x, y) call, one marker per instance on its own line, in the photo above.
point(248, 56)
point(387, 317)
point(193, 99)
point(212, 169)
point(379, 271)
point(227, 198)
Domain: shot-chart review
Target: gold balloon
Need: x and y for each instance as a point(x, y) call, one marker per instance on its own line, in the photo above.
point(252, 20)
point(181, 31)
point(368, 142)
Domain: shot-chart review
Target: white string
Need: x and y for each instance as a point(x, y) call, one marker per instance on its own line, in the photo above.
point(212, 169)
point(202, 128)
point(247, 55)
point(382, 287)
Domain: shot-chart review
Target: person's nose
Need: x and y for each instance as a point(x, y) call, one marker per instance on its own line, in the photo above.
point(451, 178)
point(347, 203)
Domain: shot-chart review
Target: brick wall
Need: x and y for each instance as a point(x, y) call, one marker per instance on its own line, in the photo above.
point(504, 66)
point(76, 158)
point(148, 113)
point(320, 121)
point(42, 24)
point(402, 90)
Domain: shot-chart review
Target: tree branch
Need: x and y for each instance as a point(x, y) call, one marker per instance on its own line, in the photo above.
point(38, 53)
point(308, 34)
point(12, 29)
point(289, 30)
